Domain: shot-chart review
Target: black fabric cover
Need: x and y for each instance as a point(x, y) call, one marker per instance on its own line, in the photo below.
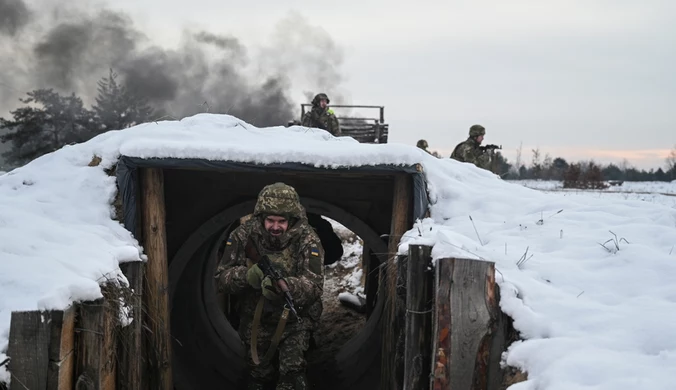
point(127, 172)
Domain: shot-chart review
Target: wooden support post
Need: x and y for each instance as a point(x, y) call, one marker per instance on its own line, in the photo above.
point(400, 320)
point(466, 326)
point(157, 280)
point(40, 349)
point(131, 356)
point(392, 324)
point(369, 278)
point(95, 333)
point(62, 350)
point(419, 309)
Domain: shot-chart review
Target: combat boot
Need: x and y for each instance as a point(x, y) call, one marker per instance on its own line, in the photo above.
point(295, 381)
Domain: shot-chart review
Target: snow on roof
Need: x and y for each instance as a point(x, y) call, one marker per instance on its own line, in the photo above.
point(592, 318)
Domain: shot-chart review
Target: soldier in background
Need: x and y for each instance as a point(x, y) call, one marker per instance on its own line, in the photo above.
point(322, 117)
point(471, 151)
point(422, 144)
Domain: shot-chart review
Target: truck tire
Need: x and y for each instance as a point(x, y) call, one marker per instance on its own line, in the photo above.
point(207, 350)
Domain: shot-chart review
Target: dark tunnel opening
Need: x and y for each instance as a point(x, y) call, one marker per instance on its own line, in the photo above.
point(207, 351)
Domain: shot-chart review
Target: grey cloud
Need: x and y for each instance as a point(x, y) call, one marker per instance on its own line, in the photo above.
point(14, 14)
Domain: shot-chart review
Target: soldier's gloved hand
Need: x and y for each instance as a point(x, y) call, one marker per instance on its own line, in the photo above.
point(269, 290)
point(254, 276)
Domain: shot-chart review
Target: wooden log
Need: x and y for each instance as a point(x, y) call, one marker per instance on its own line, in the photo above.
point(28, 350)
point(131, 354)
point(95, 333)
point(392, 326)
point(400, 320)
point(419, 309)
point(466, 324)
point(40, 349)
point(62, 350)
point(370, 278)
point(156, 291)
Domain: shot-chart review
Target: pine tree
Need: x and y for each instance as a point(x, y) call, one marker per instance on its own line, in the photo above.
point(117, 107)
point(47, 122)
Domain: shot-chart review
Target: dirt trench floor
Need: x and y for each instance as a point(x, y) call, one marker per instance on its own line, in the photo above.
point(338, 323)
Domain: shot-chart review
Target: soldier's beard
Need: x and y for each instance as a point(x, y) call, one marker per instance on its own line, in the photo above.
point(275, 241)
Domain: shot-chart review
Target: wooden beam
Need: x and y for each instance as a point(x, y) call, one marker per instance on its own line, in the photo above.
point(95, 333)
point(370, 276)
point(157, 279)
point(41, 349)
point(466, 324)
point(131, 354)
point(392, 325)
point(400, 320)
point(419, 309)
point(62, 350)
point(28, 350)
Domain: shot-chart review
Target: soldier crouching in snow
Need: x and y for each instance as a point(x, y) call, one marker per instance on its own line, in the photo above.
point(471, 151)
point(279, 230)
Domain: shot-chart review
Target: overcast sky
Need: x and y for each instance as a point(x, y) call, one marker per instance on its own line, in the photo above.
point(576, 78)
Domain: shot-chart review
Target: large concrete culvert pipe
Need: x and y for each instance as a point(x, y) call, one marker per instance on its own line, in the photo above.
point(207, 351)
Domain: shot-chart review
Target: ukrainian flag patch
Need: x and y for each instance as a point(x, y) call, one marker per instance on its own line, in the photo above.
point(229, 242)
point(314, 251)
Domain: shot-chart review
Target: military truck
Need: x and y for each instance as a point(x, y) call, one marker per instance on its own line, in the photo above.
point(370, 130)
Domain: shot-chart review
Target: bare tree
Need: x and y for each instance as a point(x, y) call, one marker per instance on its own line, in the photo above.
point(518, 163)
point(671, 163)
point(536, 164)
point(625, 165)
point(547, 167)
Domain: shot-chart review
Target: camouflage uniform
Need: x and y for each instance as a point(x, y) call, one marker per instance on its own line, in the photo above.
point(322, 118)
point(298, 256)
point(469, 151)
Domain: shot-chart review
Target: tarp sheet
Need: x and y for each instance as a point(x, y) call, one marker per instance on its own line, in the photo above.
point(127, 174)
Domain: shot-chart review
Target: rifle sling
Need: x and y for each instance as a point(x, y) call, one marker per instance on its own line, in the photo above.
point(276, 338)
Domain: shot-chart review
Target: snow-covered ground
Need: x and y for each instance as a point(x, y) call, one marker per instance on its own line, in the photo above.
point(651, 187)
point(651, 191)
point(593, 316)
point(349, 267)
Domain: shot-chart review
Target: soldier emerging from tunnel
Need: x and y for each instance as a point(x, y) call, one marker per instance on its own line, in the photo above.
point(322, 117)
point(279, 230)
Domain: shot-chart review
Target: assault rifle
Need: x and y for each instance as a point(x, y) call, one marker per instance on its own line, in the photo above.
point(269, 270)
point(490, 147)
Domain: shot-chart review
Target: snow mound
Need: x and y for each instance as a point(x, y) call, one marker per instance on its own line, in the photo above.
point(594, 316)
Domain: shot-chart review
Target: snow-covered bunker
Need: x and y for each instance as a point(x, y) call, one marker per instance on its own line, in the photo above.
point(588, 314)
point(88, 215)
point(204, 200)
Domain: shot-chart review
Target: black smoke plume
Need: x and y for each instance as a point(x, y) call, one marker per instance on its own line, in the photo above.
point(14, 15)
point(206, 73)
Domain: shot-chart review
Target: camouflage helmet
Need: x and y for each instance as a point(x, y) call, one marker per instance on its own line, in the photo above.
point(279, 199)
point(319, 97)
point(476, 130)
point(422, 144)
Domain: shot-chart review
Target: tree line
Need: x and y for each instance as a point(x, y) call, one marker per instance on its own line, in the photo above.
point(49, 120)
point(558, 168)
